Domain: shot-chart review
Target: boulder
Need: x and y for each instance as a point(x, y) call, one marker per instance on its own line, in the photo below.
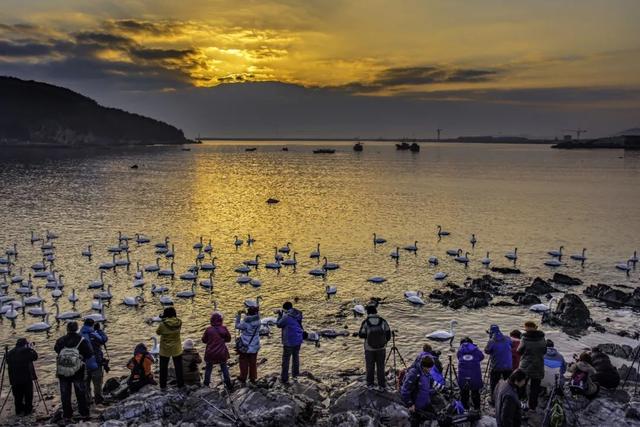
point(563, 279)
point(621, 351)
point(613, 296)
point(358, 403)
point(486, 283)
point(539, 287)
point(571, 312)
point(206, 406)
point(506, 270)
point(524, 298)
point(148, 403)
point(264, 407)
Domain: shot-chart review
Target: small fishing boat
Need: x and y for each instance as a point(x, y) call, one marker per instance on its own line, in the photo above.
point(414, 148)
point(251, 149)
point(185, 149)
point(358, 146)
point(403, 146)
point(324, 151)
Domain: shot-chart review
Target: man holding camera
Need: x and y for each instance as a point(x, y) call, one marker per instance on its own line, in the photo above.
point(290, 321)
point(376, 333)
point(93, 333)
point(21, 375)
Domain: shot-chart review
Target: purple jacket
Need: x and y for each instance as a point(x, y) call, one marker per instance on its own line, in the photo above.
point(291, 324)
point(416, 388)
point(469, 358)
point(499, 348)
point(216, 338)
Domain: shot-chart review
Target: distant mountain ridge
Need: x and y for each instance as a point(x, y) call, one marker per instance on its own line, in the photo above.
point(39, 113)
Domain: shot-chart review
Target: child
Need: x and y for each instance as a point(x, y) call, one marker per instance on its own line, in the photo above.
point(191, 361)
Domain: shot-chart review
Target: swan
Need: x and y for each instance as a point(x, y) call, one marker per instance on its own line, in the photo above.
point(73, 298)
point(376, 279)
point(209, 248)
point(11, 305)
point(291, 261)
point(97, 283)
point(141, 238)
point(440, 275)
point(415, 299)
point(151, 268)
point(189, 276)
point(11, 313)
point(453, 252)
point(318, 272)
point(96, 304)
point(462, 259)
point(553, 263)
point(624, 266)
point(541, 308)
point(51, 235)
point(442, 336)
point(114, 249)
point(242, 269)
point(5, 298)
point(580, 257)
point(486, 260)
point(253, 303)
point(87, 252)
point(188, 294)
point(358, 309)
point(165, 300)
point(200, 256)
point(285, 249)
point(473, 240)
point(124, 262)
point(269, 321)
point(412, 248)
point(155, 289)
point(35, 299)
point(408, 294)
point(252, 262)
point(171, 253)
point(243, 279)
point(329, 265)
point(138, 283)
point(108, 265)
point(557, 253)
point(35, 238)
point(123, 237)
point(441, 232)
point(13, 251)
point(395, 254)
point(237, 242)
point(209, 266)
point(331, 290)
point(207, 283)
point(139, 274)
point(155, 349)
point(65, 315)
point(433, 260)
point(104, 294)
point(161, 245)
point(40, 326)
point(166, 272)
point(277, 256)
point(56, 293)
point(512, 255)
point(162, 250)
point(378, 240)
point(46, 246)
point(273, 265)
point(250, 240)
point(634, 259)
point(5, 260)
point(38, 266)
point(316, 253)
point(197, 245)
point(38, 311)
point(132, 301)
point(97, 317)
point(255, 283)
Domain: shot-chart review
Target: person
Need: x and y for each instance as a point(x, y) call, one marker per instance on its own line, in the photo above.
point(94, 335)
point(582, 373)
point(248, 344)
point(515, 336)
point(469, 373)
point(554, 365)
point(215, 337)
point(191, 361)
point(508, 411)
point(376, 333)
point(606, 375)
point(170, 346)
point(21, 375)
point(290, 321)
point(532, 349)
point(73, 352)
point(501, 362)
point(416, 391)
point(140, 366)
point(428, 351)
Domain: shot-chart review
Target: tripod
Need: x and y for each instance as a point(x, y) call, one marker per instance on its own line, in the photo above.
point(449, 374)
point(552, 397)
point(635, 361)
point(396, 353)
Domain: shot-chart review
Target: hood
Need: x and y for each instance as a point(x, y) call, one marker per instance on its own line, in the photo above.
point(86, 329)
point(216, 319)
point(172, 323)
point(533, 336)
point(374, 319)
point(297, 314)
point(468, 347)
point(498, 336)
point(552, 352)
point(494, 330)
point(140, 349)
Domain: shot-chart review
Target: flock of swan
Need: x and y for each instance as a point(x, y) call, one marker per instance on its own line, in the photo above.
point(27, 297)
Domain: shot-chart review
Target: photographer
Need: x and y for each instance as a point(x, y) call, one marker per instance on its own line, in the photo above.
point(532, 349)
point(21, 375)
point(290, 321)
point(94, 335)
point(170, 346)
point(508, 411)
point(499, 349)
point(376, 333)
point(469, 373)
point(416, 391)
point(248, 344)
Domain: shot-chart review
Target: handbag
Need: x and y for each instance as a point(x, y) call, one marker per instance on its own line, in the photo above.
point(241, 347)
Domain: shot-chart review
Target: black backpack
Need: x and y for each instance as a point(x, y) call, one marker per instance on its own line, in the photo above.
point(376, 334)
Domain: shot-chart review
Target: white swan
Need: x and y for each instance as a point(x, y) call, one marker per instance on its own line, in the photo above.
point(114, 249)
point(358, 309)
point(557, 253)
point(412, 248)
point(255, 283)
point(473, 240)
point(540, 308)
point(285, 249)
point(164, 244)
point(167, 272)
point(395, 254)
point(273, 265)
point(171, 253)
point(453, 252)
point(65, 315)
point(108, 265)
point(291, 261)
point(237, 241)
point(624, 266)
point(97, 317)
point(440, 275)
point(442, 232)
point(96, 304)
point(188, 294)
point(38, 266)
point(378, 240)
point(512, 255)
point(316, 253)
point(634, 259)
point(318, 272)
point(376, 279)
point(433, 260)
point(242, 269)
point(73, 298)
point(329, 265)
point(252, 262)
point(124, 262)
point(464, 259)
point(104, 294)
point(132, 301)
point(40, 326)
point(331, 290)
point(243, 280)
point(207, 283)
point(35, 299)
point(138, 283)
point(553, 263)
point(151, 268)
point(87, 252)
point(442, 336)
point(141, 238)
point(38, 311)
point(165, 300)
point(155, 289)
point(35, 238)
point(209, 266)
point(51, 235)
point(414, 297)
point(11, 313)
point(199, 244)
point(97, 284)
point(209, 248)
point(155, 349)
point(189, 276)
point(580, 257)
point(486, 260)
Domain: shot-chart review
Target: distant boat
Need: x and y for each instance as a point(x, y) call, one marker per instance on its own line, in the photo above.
point(324, 151)
point(185, 149)
point(358, 146)
point(414, 147)
point(403, 146)
point(250, 149)
point(285, 148)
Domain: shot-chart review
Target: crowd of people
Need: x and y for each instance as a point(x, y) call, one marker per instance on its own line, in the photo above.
point(521, 366)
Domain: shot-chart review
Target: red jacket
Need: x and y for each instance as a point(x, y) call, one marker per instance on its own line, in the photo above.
point(515, 356)
point(215, 337)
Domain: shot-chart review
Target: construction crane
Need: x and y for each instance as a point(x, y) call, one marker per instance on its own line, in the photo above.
point(577, 131)
point(439, 130)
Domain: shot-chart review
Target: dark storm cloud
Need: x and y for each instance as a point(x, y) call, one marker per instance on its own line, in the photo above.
point(137, 26)
point(102, 38)
point(24, 49)
point(162, 53)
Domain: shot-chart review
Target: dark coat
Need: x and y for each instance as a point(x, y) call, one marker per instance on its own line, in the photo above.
point(71, 340)
point(20, 365)
point(532, 349)
point(606, 374)
point(215, 337)
point(507, 405)
point(499, 348)
point(191, 361)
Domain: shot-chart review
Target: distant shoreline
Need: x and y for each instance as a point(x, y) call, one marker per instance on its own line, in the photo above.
point(393, 140)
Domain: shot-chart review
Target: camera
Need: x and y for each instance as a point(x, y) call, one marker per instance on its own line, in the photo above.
point(105, 365)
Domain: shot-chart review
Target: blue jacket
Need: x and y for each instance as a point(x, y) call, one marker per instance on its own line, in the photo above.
point(435, 372)
point(469, 358)
point(249, 327)
point(97, 339)
point(291, 324)
point(416, 389)
point(554, 364)
point(499, 348)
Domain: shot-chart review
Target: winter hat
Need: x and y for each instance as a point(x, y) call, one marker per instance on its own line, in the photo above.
point(169, 312)
point(216, 318)
point(140, 349)
point(187, 344)
point(494, 329)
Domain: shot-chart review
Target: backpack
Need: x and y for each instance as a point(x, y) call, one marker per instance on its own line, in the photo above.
point(557, 418)
point(69, 361)
point(578, 383)
point(376, 335)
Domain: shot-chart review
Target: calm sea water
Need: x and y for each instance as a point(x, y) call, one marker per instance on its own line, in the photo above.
point(525, 196)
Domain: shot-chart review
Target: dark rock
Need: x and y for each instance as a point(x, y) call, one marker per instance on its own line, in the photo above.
point(571, 312)
point(486, 283)
point(621, 351)
point(504, 304)
point(357, 404)
point(613, 296)
point(110, 385)
point(540, 287)
point(523, 298)
point(506, 270)
point(134, 167)
point(563, 279)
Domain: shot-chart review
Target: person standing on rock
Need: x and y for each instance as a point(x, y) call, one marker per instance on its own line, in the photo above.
point(92, 332)
point(248, 344)
point(21, 375)
point(290, 321)
point(191, 361)
point(416, 391)
point(469, 373)
point(216, 338)
point(508, 411)
point(73, 352)
point(532, 349)
point(170, 346)
point(376, 333)
point(501, 362)
point(515, 336)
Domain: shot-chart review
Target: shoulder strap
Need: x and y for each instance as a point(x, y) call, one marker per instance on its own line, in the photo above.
point(79, 342)
point(254, 333)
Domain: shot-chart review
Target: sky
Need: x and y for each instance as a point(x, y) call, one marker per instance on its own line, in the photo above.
point(340, 68)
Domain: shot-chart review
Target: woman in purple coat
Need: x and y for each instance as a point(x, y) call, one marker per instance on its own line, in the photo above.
point(216, 338)
point(470, 373)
